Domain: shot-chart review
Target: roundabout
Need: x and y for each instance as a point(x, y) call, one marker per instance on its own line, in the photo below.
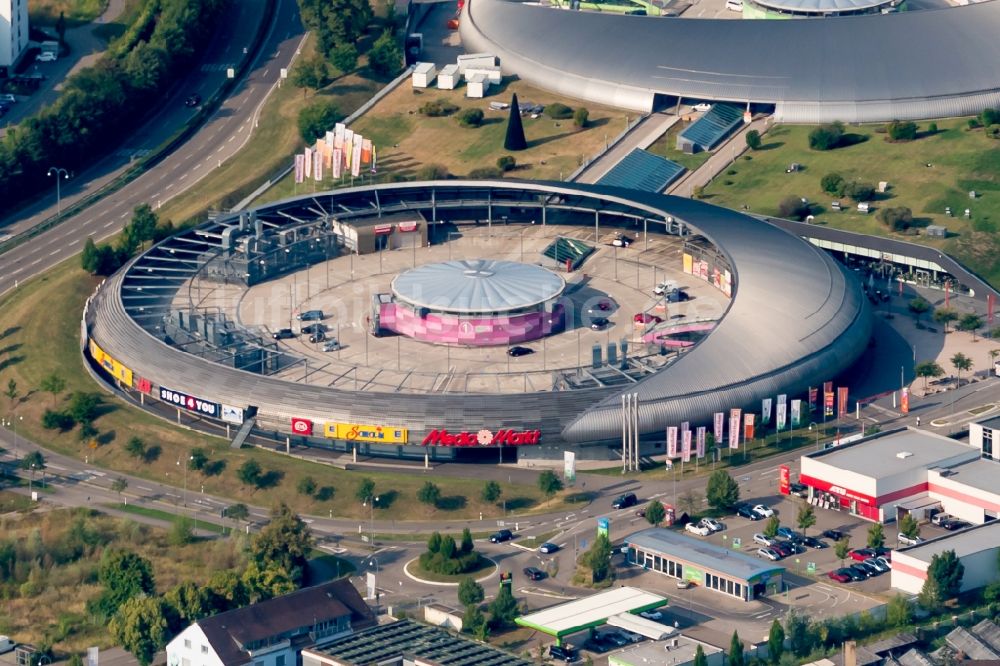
point(450, 581)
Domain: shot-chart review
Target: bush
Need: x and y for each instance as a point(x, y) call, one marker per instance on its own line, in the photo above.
point(558, 111)
point(898, 219)
point(432, 172)
point(470, 118)
point(902, 131)
point(932, 128)
point(53, 420)
point(318, 118)
point(438, 108)
point(826, 137)
point(581, 117)
point(506, 163)
point(858, 191)
point(832, 183)
point(753, 140)
point(344, 57)
point(306, 486)
point(793, 208)
point(485, 173)
point(989, 117)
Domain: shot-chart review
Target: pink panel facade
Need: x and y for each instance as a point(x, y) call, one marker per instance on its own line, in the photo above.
point(472, 331)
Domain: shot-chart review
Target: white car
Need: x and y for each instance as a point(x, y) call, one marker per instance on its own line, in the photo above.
point(46, 57)
point(769, 554)
point(705, 106)
point(711, 524)
point(8, 99)
point(909, 541)
point(700, 530)
point(884, 562)
point(763, 510)
point(763, 539)
point(6, 645)
point(665, 287)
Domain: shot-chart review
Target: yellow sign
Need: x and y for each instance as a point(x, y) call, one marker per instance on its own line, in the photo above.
point(112, 366)
point(355, 432)
point(688, 263)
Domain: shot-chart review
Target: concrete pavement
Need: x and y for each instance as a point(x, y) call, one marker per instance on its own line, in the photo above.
point(723, 156)
point(643, 135)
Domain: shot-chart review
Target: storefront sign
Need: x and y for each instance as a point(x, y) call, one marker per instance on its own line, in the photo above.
point(407, 226)
point(840, 491)
point(232, 414)
point(302, 426)
point(144, 385)
point(784, 480)
point(110, 365)
point(382, 229)
point(502, 437)
point(356, 432)
point(190, 402)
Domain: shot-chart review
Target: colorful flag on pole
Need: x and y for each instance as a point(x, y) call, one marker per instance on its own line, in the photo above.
point(309, 162)
point(734, 428)
point(686, 446)
point(318, 168)
point(717, 433)
point(747, 426)
point(812, 398)
point(765, 411)
point(374, 164)
point(827, 403)
point(366, 151)
point(338, 162)
point(904, 401)
point(700, 442)
point(685, 426)
point(672, 442)
point(780, 419)
point(300, 168)
point(356, 156)
point(841, 401)
point(796, 413)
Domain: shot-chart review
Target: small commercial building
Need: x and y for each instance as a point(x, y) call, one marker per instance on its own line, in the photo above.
point(869, 478)
point(727, 571)
point(976, 548)
point(591, 612)
point(982, 435)
point(677, 651)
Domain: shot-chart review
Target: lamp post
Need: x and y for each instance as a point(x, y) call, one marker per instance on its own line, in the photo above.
point(57, 172)
point(12, 424)
point(812, 425)
point(371, 520)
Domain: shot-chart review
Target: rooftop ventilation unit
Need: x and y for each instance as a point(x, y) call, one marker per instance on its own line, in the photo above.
point(903, 455)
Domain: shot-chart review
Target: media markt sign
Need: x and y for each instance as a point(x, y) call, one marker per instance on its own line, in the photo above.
point(484, 437)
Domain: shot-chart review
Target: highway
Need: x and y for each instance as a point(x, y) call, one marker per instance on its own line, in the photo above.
point(222, 136)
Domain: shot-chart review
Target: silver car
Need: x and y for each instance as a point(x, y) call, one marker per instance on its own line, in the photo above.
point(331, 345)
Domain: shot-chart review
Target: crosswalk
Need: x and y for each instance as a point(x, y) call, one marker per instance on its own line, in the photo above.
point(217, 66)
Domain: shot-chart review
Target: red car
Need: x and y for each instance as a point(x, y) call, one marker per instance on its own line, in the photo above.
point(862, 554)
point(839, 576)
point(646, 318)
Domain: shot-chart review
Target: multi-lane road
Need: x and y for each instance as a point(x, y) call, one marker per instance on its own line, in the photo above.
point(222, 136)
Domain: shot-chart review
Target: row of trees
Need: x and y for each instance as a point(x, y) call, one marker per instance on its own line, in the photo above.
point(502, 610)
point(101, 104)
point(106, 258)
point(444, 556)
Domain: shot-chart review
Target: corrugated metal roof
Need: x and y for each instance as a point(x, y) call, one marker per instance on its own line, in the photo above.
point(701, 553)
point(853, 68)
point(970, 645)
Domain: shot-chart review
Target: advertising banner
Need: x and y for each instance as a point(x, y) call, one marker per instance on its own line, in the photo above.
point(356, 156)
point(189, 402)
point(827, 387)
point(318, 167)
point(784, 480)
point(232, 414)
point(765, 411)
point(685, 426)
point(355, 432)
point(338, 162)
point(300, 168)
point(781, 416)
point(569, 467)
point(672, 442)
point(110, 365)
point(328, 138)
point(348, 148)
point(484, 437)
point(309, 162)
point(143, 385)
point(904, 401)
point(603, 526)
point(717, 430)
point(796, 413)
point(841, 401)
point(828, 403)
point(700, 442)
point(687, 262)
point(302, 426)
point(734, 428)
point(812, 398)
point(366, 151)
point(686, 446)
point(747, 426)
point(338, 135)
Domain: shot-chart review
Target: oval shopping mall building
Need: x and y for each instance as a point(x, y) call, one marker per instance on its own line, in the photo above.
point(459, 318)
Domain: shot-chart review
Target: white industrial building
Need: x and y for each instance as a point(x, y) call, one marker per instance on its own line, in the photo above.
point(976, 548)
point(13, 30)
point(983, 434)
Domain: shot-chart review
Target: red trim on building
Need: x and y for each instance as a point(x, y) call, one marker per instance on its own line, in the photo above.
point(902, 567)
point(970, 499)
point(834, 489)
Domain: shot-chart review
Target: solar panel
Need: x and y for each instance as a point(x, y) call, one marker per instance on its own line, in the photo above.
point(640, 170)
point(714, 126)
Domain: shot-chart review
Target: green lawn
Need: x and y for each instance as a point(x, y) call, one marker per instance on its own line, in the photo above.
point(665, 146)
point(76, 12)
point(960, 160)
point(167, 517)
point(485, 567)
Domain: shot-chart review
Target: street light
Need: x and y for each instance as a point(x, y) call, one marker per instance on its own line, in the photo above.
point(371, 520)
point(58, 171)
point(12, 424)
point(811, 425)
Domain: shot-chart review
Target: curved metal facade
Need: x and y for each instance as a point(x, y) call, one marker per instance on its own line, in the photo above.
point(796, 318)
point(854, 68)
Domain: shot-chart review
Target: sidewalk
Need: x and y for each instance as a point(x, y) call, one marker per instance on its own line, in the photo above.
point(723, 156)
point(641, 136)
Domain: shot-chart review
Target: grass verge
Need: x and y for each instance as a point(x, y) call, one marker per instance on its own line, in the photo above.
point(486, 567)
point(76, 12)
point(168, 517)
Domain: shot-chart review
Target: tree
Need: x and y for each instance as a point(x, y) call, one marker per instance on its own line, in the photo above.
point(736, 651)
point(119, 485)
point(506, 163)
point(753, 140)
point(181, 532)
point(135, 447)
point(83, 407)
point(53, 383)
point(930, 596)
point(514, 139)
point(722, 491)
point(307, 486)
point(123, 575)
point(89, 258)
point(238, 512)
point(876, 536)
point(598, 558)
point(316, 119)
point(927, 369)
point(775, 642)
point(898, 612)
point(140, 626)
point(344, 57)
point(918, 306)
point(366, 491)
point(970, 322)
point(142, 228)
point(434, 543)
point(284, 543)
point(311, 73)
point(832, 183)
point(11, 391)
point(945, 316)
point(61, 27)
point(503, 609)
point(961, 362)
point(581, 117)
point(800, 638)
point(558, 111)
point(491, 492)
point(793, 207)
point(858, 190)
point(946, 571)
point(806, 517)
point(909, 527)
point(902, 131)
point(549, 483)
point(471, 118)
point(429, 493)
point(385, 56)
point(467, 544)
point(249, 473)
point(191, 601)
point(470, 593)
point(263, 582)
point(699, 656)
point(771, 528)
point(198, 459)
point(655, 513)
point(33, 460)
point(826, 137)
point(841, 550)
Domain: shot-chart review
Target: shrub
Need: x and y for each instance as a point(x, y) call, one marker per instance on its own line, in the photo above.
point(902, 131)
point(826, 137)
point(989, 117)
point(485, 173)
point(973, 123)
point(471, 118)
point(385, 56)
point(432, 172)
point(558, 111)
point(581, 117)
point(344, 57)
point(793, 207)
point(438, 108)
point(731, 172)
point(306, 486)
point(858, 191)
point(932, 128)
point(506, 163)
point(832, 183)
point(53, 420)
point(898, 218)
point(753, 140)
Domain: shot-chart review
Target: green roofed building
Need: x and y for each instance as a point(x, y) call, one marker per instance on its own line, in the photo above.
point(408, 642)
point(589, 612)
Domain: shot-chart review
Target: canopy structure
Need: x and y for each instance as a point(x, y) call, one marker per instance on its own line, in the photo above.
point(640, 625)
point(593, 611)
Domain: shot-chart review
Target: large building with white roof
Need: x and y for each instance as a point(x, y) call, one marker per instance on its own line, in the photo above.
point(975, 547)
point(13, 30)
